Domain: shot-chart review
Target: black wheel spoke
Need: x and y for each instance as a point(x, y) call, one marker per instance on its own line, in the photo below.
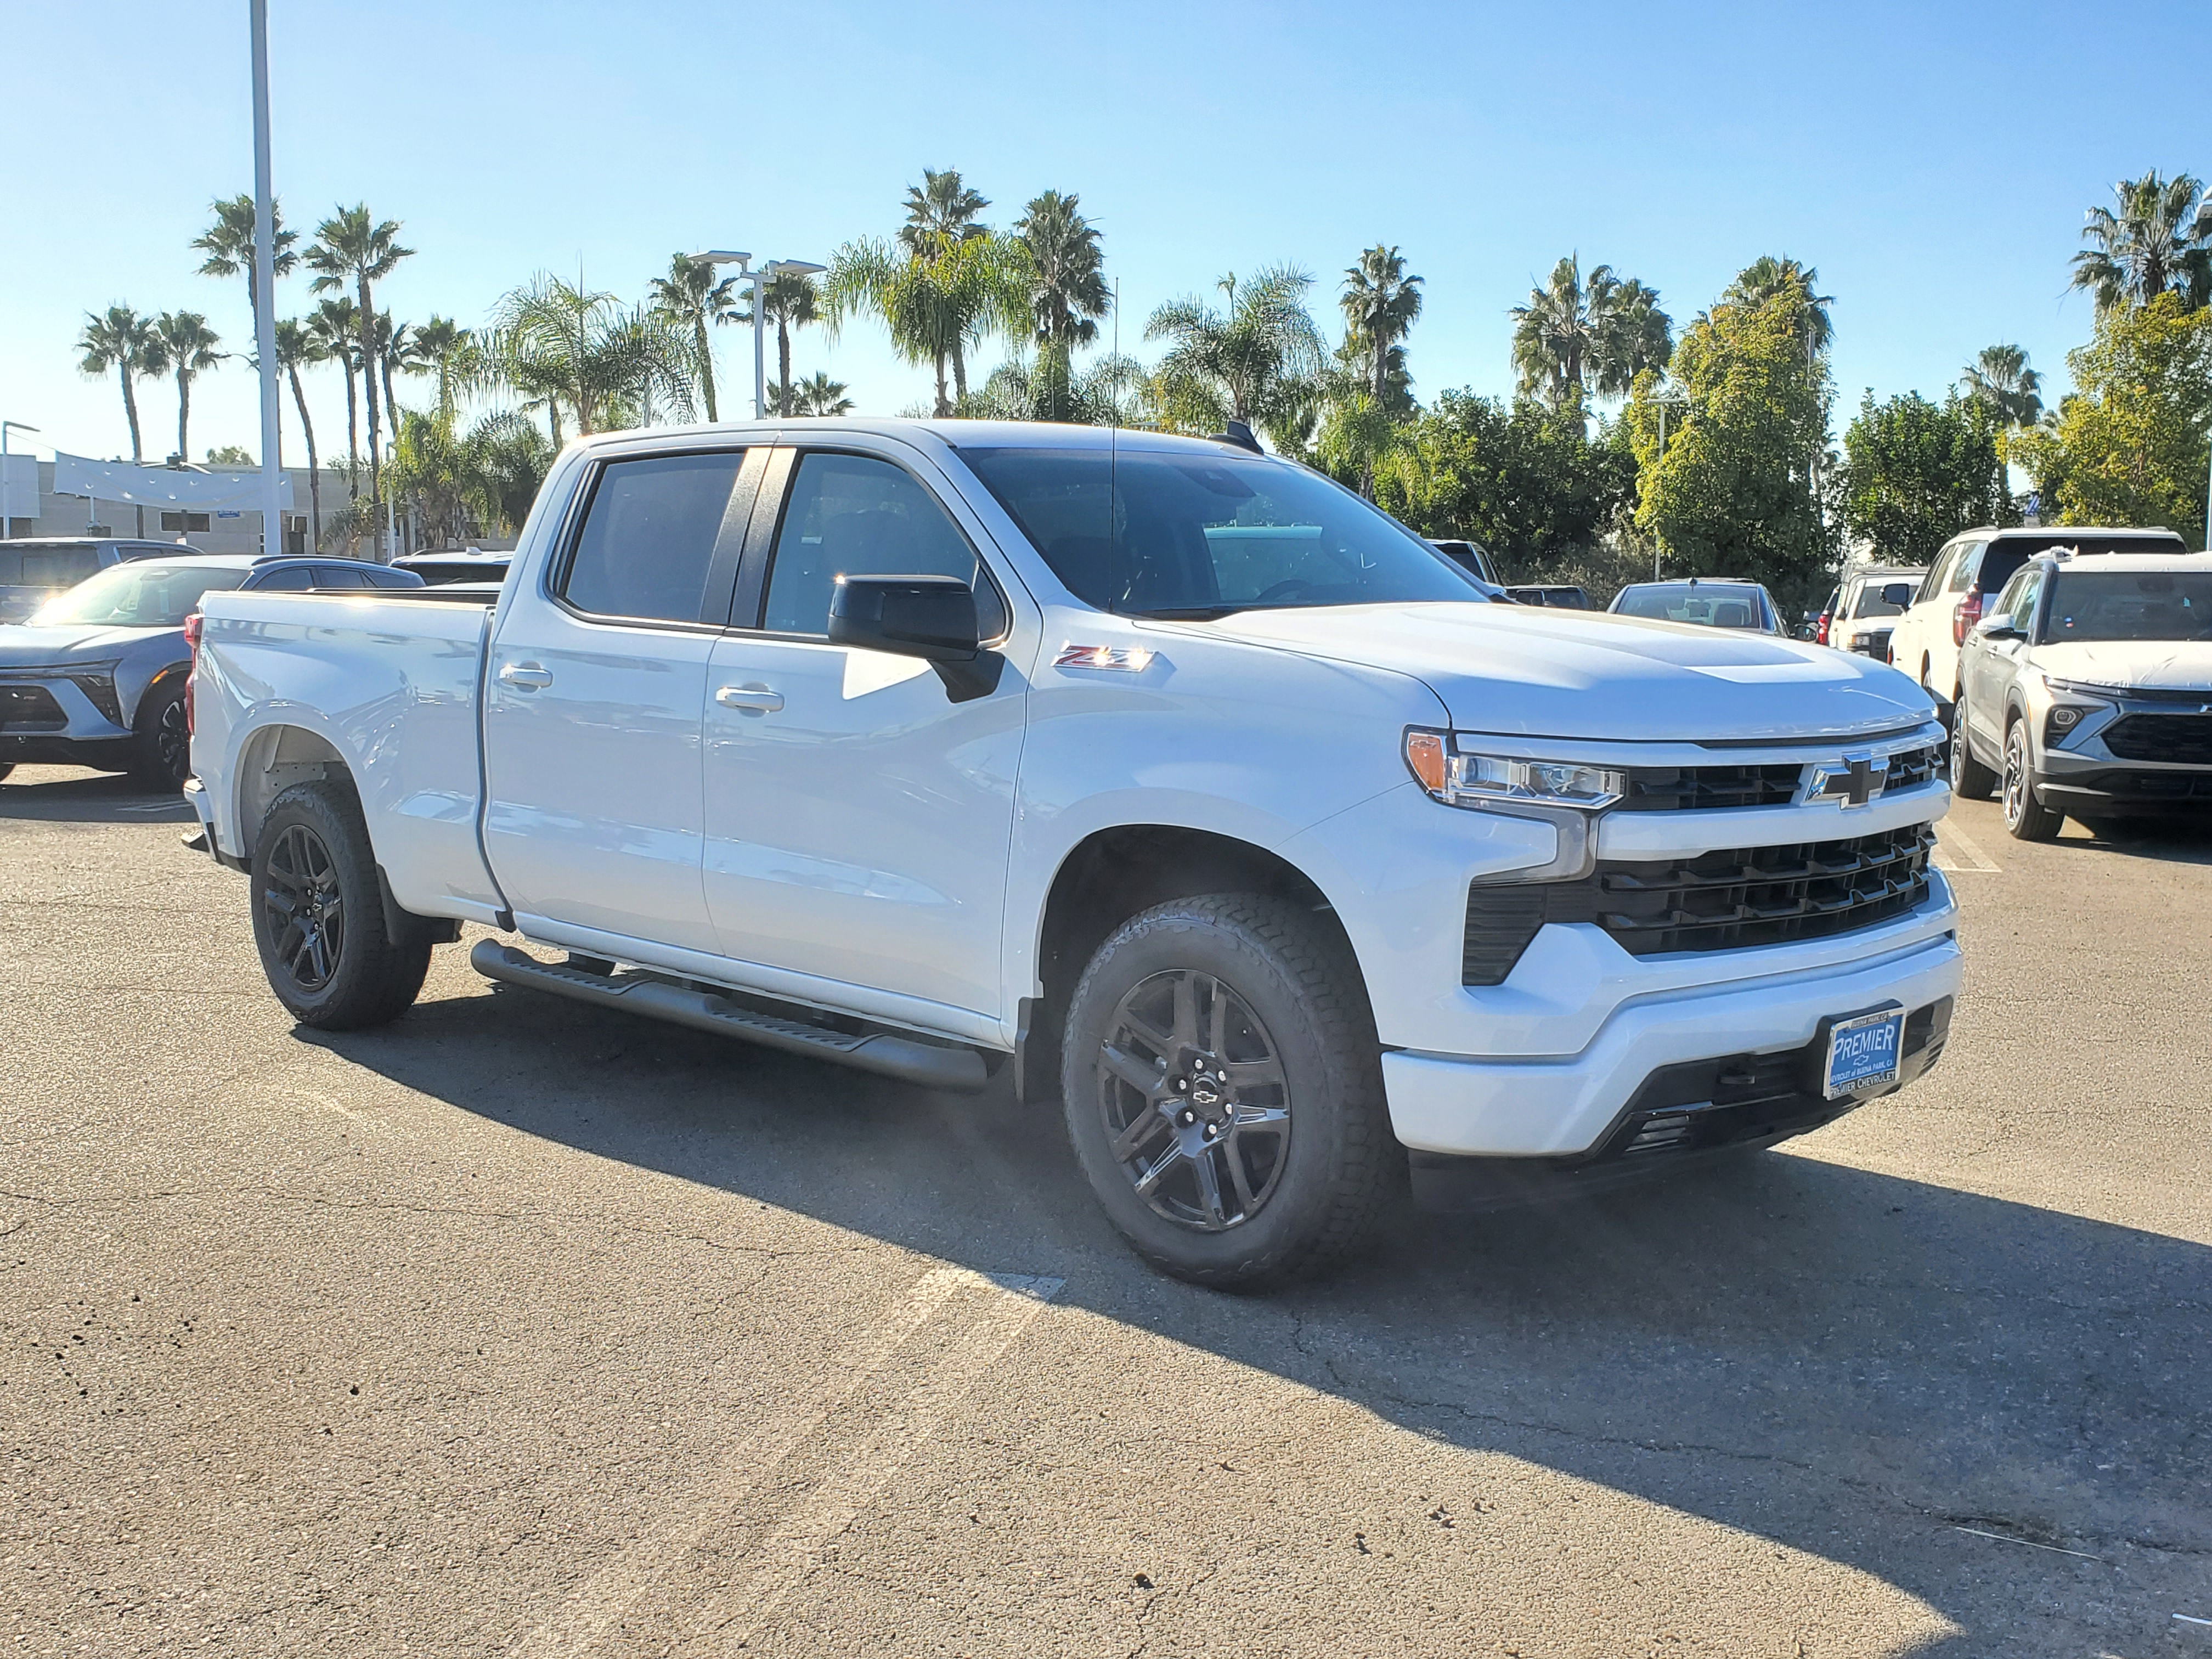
point(1209, 1186)
point(1140, 1075)
point(305, 907)
point(1142, 1128)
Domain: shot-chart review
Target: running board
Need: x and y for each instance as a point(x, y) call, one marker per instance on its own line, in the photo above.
point(911, 1060)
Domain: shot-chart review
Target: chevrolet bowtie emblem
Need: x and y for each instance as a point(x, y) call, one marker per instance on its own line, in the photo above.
point(1853, 781)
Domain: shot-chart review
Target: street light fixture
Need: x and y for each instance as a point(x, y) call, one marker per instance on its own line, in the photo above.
point(6, 427)
point(773, 269)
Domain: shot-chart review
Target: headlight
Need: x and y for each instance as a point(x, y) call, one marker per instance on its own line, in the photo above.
point(2075, 702)
point(1460, 779)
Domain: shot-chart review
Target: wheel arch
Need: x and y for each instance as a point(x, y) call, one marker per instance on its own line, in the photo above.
point(272, 760)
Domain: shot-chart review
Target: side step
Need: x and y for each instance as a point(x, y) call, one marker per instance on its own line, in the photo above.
point(911, 1060)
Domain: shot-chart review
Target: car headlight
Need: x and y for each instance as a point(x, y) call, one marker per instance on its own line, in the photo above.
point(2072, 702)
point(1475, 779)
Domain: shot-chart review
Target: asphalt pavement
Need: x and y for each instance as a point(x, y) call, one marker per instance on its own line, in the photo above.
point(518, 1328)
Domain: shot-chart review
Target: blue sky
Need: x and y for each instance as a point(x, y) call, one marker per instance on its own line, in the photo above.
point(1932, 161)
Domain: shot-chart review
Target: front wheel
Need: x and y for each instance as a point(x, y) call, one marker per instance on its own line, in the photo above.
point(1223, 1091)
point(162, 750)
point(2026, 817)
point(319, 916)
point(1970, 778)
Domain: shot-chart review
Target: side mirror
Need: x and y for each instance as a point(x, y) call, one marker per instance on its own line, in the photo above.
point(1999, 628)
point(1899, 594)
point(932, 617)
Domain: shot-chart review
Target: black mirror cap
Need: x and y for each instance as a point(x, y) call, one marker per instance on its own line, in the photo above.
point(932, 617)
point(1899, 593)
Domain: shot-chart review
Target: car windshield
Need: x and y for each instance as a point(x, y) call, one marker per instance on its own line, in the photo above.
point(1714, 604)
point(2130, 604)
point(1149, 534)
point(135, 596)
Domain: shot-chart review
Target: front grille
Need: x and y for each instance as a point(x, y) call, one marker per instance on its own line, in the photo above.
point(1910, 767)
point(30, 708)
point(1722, 900)
point(2184, 739)
point(1699, 788)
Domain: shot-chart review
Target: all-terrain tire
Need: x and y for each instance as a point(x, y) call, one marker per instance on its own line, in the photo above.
point(1339, 1164)
point(313, 864)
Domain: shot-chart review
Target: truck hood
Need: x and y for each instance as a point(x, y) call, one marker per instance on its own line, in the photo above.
point(1539, 672)
point(38, 648)
point(2130, 664)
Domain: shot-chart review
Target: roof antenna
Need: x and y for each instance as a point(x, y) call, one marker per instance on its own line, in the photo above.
point(1113, 442)
point(1240, 433)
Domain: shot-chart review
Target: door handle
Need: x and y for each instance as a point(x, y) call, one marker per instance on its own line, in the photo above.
point(753, 699)
point(526, 676)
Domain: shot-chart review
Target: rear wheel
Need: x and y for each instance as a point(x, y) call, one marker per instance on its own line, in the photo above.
point(1223, 1091)
point(1969, 777)
point(161, 750)
point(2028, 818)
point(319, 916)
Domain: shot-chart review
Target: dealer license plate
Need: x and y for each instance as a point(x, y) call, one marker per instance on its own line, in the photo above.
point(1863, 1053)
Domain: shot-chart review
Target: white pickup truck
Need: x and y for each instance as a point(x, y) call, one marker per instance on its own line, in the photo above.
point(1207, 800)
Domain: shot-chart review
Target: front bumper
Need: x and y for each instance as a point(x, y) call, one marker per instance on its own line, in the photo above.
point(47, 718)
point(1566, 1106)
point(2125, 789)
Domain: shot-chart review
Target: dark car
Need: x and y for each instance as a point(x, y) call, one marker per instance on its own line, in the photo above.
point(1708, 602)
point(2086, 692)
point(34, 569)
point(1563, 598)
point(96, 676)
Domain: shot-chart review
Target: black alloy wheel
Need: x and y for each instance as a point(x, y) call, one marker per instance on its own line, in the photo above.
point(1194, 1104)
point(304, 909)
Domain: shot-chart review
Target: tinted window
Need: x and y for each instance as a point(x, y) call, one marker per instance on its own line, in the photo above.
point(338, 575)
point(60, 566)
point(2026, 586)
point(2131, 605)
point(853, 515)
point(293, 579)
point(649, 539)
point(1154, 534)
point(1712, 604)
point(1999, 564)
point(137, 596)
point(385, 576)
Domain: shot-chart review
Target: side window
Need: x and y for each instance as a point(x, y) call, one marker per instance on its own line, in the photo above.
point(2026, 588)
point(649, 538)
point(291, 579)
point(59, 567)
point(338, 575)
point(853, 515)
point(1962, 572)
point(1938, 574)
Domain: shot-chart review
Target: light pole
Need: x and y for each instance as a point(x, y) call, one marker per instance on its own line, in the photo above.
point(1671, 396)
point(7, 427)
point(773, 269)
point(264, 289)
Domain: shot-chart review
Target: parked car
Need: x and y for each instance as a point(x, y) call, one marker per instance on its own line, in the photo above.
point(471, 564)
point(1870, 595)
point(1817, 622)
point(97, 676)
point(1975, 565)
point(1175, 781)
point(35, 570)
point(1472, 557)
point(1710, 601)
point(2086, 692)
point(1562, 599)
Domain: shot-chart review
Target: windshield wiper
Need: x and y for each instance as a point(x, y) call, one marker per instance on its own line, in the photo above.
point(1191, 612)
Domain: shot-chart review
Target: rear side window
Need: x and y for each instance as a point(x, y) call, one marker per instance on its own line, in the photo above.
point(853, 515)
point(1963, 568)
point(1999, 564)
point(292, 579)
point(649, 538)
point(55, 567)
point(338, 575)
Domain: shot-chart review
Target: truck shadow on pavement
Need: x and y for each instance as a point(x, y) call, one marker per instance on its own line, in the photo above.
point(1849, 1363)
point(58, 795)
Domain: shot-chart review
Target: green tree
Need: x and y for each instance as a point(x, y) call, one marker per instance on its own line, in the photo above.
point(560, 345)
point(185, 346)
point(789, 301)
point(2131, 446)
point(486, 476)
point(335, 326)
point(1258, 361)
point(398, 351)
point(2000, 380)
point(119, 340)
point(936, 296)
point(298, 346)
point(1068, 291)
point(1525, 481)
point(352, 246)
point(941, 217)
point(1575, 336)
point(817, 395)
point(1915, 473)
point(1381, 304)
point(449, 351)
point(228, 245)
point(1767, 278)
point(230, 455)
point(2160, 238)
point(1046, 387)
point(1734, 494)
point(692, 296)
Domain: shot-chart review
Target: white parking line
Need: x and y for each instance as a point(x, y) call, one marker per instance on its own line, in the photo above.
point(775, 1565)
point(1955, 851)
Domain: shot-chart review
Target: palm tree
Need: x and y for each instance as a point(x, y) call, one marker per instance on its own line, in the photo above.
point(556, 344)
point(2002, 383)
point(1067, 286)
point(398, 351)
point(336, 325)
point(118, 339)
point(448, 350)
point(819, 395)
point(1256, 362)
point(951, 292)
point(940, 217)
point(185, 347)
point(298, 346)
point(2160, 238)
point(690, 295)
point(351, 246)
point(1575, 336)
point(1766, 276)
point(1380, 303)
point(790, 300)
point(1046, 389)
point(228, 245)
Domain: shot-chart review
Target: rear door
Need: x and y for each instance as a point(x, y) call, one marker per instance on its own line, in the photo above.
point(859, 813)
point(593, 696)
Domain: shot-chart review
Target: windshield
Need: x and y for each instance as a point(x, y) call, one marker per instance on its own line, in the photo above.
point(2130, 604)
point(1714, 604)
point(1200, 535)
point(135, 596)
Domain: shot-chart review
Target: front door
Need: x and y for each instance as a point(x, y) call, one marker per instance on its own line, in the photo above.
point(858, 815)
point(592, 708)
